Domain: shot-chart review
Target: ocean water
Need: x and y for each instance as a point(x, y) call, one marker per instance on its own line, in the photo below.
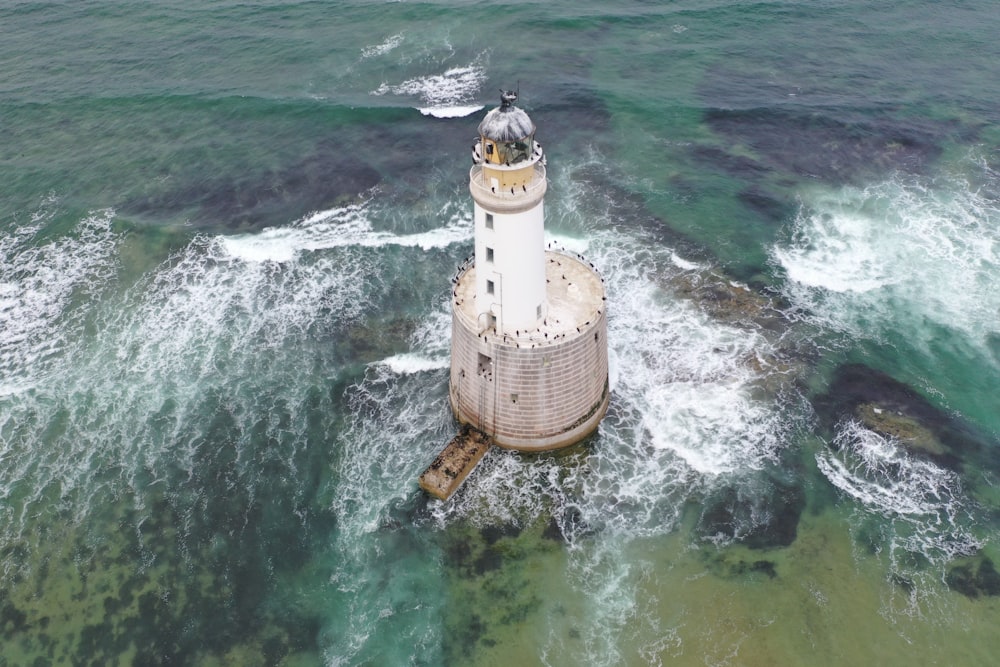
point(226, 234)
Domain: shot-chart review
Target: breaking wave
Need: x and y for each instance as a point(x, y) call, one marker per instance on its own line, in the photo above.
point(337, 228)
point(215, 334)
point(385, 47)
point(867, 261)
point(910, 510)
point(686, 409)
point(41, 283)
point(689, 411)
point(446, 95)
point(927, 510)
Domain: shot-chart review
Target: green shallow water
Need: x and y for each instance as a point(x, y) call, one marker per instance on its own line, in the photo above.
point(227, 234)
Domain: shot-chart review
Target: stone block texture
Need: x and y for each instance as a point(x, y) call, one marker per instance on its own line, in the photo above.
point(530, 395)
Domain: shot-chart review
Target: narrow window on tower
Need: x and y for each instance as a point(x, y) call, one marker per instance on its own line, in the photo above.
point(489, 221)
point(538, 312)
point(489, 255)
point(489, 287)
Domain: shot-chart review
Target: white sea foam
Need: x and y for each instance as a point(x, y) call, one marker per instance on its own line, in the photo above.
point(409, 362)
point(337, 228)
point(686, 377)
point(896, 256)
point(924, 502)
point(686, 415)
point(204, 328)
point(38, 281)
point(681, 263)
point(457, 111)
point(432, 336)
point(837, 252)
point(396, 425)
point(685, 411)
point(444, 95)
point(385, 47)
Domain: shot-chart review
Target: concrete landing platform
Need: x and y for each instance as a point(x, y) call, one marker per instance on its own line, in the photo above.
point(443, 477)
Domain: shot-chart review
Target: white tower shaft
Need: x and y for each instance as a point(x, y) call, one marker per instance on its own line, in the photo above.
point(507, 183)
point(510, 255)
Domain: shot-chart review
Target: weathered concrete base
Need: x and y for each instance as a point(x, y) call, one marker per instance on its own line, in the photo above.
point(443, 477)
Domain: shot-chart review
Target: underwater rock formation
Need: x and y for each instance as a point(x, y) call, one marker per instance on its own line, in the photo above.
point(974, 578)
point(763, 521)
point(894, 409)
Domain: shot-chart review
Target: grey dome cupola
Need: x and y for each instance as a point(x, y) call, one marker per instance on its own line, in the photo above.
point(507, 122)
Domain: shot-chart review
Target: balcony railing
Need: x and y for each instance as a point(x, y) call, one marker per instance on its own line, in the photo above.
point(514, 197)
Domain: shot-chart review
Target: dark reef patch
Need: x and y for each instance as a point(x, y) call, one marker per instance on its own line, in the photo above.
point(188, 575)
point(489, 560)
point(485, 570)
point(569, 108)
point(758, 519)
point(355, 152)
point(770, 208)
point(323, 180)
point(974, 578)
point(737, 165)
point(728, 565)
point(895, 409)
point(12, 620)
point(603, 192)
point(833, 145)
point(494, 533)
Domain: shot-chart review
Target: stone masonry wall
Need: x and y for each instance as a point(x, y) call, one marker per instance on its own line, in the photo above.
point(531, 398)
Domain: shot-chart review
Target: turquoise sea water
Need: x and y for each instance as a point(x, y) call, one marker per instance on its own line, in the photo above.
point(226, 234)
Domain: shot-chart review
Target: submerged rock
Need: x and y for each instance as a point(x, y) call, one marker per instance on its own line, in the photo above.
point(728, 300)
point(769, 207)
point(974, 578)
point(906, 430)
point(759, 521)
point(823, 145)
point(894, 409)
point(492, 534)
point(729, 564)
point(323, 180)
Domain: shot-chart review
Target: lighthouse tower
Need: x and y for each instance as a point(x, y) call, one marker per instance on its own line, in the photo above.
point(529, 352)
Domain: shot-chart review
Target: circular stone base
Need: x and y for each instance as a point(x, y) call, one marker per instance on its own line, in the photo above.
point(539, 389)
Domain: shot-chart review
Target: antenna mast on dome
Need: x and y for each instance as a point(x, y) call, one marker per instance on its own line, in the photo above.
point(507, 99)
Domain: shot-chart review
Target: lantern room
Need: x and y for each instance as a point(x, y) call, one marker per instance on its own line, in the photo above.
point(506, 147)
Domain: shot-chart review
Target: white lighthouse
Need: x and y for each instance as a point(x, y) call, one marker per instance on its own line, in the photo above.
point(508, 190)
point(529, 365)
